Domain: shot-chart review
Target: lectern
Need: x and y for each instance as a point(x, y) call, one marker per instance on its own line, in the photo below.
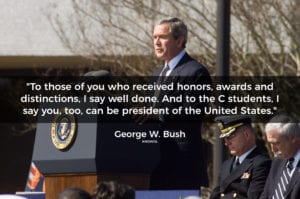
point(74, 153)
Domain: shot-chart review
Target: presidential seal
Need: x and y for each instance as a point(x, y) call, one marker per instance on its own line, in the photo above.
point(63, 131)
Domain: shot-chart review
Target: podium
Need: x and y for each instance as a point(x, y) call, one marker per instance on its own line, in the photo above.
point(92, 152)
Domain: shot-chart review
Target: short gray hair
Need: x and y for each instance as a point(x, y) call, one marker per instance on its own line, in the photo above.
point(284, 125)
point(178, 28)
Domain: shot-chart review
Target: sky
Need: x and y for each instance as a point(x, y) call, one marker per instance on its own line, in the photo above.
point(26, 30)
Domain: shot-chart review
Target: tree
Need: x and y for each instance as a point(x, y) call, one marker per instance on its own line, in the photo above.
point(269, 32)
point(124, 29)
point(264, 34)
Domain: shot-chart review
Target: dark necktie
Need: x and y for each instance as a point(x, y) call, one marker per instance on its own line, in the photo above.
point(235, 164)
point(163, 74)
point(284, 180)
point(160, 80)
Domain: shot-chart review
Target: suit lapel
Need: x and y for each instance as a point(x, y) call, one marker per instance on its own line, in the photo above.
point(228, 166)
point(242, 171)
point(177, 70)
point(237, 173)
point(279, 173)
point(295, 179)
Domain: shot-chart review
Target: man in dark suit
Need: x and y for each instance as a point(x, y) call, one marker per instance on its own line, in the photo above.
point(182, 164)
point(244, 174)
point(283, 134)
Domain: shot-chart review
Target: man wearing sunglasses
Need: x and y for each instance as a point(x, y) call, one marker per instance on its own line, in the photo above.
point(244, 174)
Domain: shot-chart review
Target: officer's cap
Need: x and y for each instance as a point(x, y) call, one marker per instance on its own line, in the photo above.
point(229, 123)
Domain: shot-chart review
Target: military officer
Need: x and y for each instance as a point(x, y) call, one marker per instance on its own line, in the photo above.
point(244, 174)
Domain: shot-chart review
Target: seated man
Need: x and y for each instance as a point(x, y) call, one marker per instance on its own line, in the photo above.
point(244, 174)
point(283, 134)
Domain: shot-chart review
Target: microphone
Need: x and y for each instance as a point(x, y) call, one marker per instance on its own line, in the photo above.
point(94, 76)
point(98, 73)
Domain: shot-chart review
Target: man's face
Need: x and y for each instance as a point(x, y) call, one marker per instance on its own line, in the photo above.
point(237, 142)
point(165, 45)
point(282, 147)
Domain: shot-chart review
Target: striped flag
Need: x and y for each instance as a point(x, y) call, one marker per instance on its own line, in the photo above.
point(35, 181)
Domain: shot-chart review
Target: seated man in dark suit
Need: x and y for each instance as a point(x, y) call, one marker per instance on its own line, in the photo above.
point(283, 134)
point(244, 174)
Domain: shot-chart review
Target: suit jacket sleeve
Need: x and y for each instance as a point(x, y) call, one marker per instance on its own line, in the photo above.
point(217, 190)
point(269, 185)
point(259, 176)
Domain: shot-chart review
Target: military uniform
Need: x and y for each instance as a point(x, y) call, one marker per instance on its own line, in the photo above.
point(247, 180)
